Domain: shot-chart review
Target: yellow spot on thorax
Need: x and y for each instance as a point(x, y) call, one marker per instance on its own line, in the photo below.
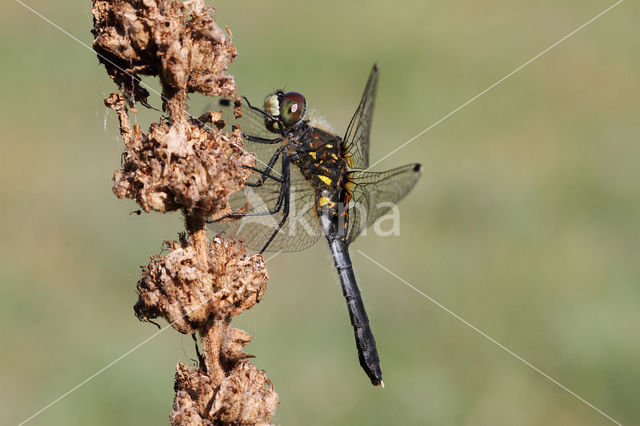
point(325, 179)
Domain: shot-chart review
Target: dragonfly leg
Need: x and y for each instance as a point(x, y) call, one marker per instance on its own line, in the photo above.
point(263, 175)
point(257, 139)
point(282, 196)
point(271, 212)
point(267, 172)
point(255, 108)
point(268, 119)
point(283, 191)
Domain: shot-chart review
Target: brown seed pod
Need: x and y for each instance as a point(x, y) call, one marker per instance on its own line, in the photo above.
point(178, 41)
point(185, 166)
point(186, 291)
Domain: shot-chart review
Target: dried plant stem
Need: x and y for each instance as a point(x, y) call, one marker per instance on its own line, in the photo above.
point(195, 225)
point(175, 104)
point(183, 164)
point(213, 331)
point(212, 335)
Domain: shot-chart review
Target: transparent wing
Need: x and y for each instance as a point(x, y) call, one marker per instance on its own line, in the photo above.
point(375, 193)
point(301, 229)
point(357, 136)
point(251, 123)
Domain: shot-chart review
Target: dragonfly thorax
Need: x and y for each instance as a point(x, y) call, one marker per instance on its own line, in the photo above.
point(321, 158)
point(319, 155)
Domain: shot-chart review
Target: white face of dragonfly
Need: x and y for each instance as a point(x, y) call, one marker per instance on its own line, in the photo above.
point(272, 105)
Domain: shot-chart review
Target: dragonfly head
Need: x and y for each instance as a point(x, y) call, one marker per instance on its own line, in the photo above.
point(285, 110)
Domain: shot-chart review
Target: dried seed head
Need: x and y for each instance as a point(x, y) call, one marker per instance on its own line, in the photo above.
point(188, 167)
point(246, 396)
point(182, 164)
point(178, 41)
point(194, 392)
point(185, 290)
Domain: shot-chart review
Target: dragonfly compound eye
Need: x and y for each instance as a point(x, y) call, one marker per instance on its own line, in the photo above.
point(292, 108)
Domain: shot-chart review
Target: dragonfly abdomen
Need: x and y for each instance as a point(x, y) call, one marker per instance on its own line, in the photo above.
point(365, 342)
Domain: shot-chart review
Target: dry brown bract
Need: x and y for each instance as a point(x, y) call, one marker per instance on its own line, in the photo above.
point(245, 396)
point(187, 164)
point(186, 291)
point(182, 164)
point(178, 41)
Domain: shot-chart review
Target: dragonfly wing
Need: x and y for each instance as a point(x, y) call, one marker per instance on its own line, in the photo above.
point(357, 136)
point(301, 229)
point(374, 193)
point(252, 124)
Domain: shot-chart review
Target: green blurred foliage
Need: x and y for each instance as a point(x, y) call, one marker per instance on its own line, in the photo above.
point(525, 223)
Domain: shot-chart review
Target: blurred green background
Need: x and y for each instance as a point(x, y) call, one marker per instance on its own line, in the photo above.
point(526, 222)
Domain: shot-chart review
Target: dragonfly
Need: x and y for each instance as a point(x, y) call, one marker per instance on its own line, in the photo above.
point(311, 183)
